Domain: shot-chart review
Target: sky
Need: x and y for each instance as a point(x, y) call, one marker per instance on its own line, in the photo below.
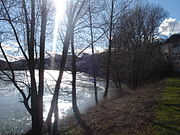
point(168, 27)
point(171, 25)
point(172, 6)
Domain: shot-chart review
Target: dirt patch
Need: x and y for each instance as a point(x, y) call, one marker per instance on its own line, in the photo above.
point(130, 114)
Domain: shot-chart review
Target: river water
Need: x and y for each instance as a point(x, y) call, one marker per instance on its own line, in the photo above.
point(15, 119)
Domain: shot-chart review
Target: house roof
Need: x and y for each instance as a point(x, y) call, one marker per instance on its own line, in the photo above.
point(173, 38)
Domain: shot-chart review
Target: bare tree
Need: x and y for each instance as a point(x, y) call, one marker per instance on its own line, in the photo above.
point(109, 50)
point(77, 114)
point(92, 47)
point(27, 21)
point(135, 37)
point(74, 12)
point(41, 64)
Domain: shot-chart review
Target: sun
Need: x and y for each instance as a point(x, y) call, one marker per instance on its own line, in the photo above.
point(60, 8)
point(60, 11)
point(59, 4)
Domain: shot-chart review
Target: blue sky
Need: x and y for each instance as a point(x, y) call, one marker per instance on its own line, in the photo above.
point(172, 6)
point(170, 25)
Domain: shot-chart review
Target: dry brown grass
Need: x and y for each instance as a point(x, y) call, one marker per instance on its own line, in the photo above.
point(130, 114)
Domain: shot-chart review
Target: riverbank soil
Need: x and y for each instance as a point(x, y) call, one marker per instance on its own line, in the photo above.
point(150, 110)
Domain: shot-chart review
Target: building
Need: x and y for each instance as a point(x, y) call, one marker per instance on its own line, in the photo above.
point(171, 49)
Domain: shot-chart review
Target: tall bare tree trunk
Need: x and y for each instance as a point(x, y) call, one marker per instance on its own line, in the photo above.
point(54, 102)
point(77, 114)
point(34, 97)
point(109, 51)
point(41, 64)
point(74, 99)
point(92, 47)
point(72, 20)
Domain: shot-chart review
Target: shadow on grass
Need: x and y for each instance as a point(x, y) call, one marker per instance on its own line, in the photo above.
point(175, 107)
point(171, 126)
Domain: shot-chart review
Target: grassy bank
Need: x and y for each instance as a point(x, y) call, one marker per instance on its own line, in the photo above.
point(127, 115)
point(150, 110)
point(167, 112)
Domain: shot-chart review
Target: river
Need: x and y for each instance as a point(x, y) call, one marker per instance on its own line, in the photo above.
point(15, 119)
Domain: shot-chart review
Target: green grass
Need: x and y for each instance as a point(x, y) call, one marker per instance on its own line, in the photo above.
point(167, 112)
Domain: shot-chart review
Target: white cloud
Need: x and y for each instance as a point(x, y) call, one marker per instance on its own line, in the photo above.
point(7, 47)
point(11, 51)
point(169, 26)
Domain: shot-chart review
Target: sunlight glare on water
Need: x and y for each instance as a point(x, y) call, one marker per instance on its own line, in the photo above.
point(15, 119)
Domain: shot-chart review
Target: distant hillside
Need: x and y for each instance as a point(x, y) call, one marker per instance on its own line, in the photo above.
point(84, 64)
